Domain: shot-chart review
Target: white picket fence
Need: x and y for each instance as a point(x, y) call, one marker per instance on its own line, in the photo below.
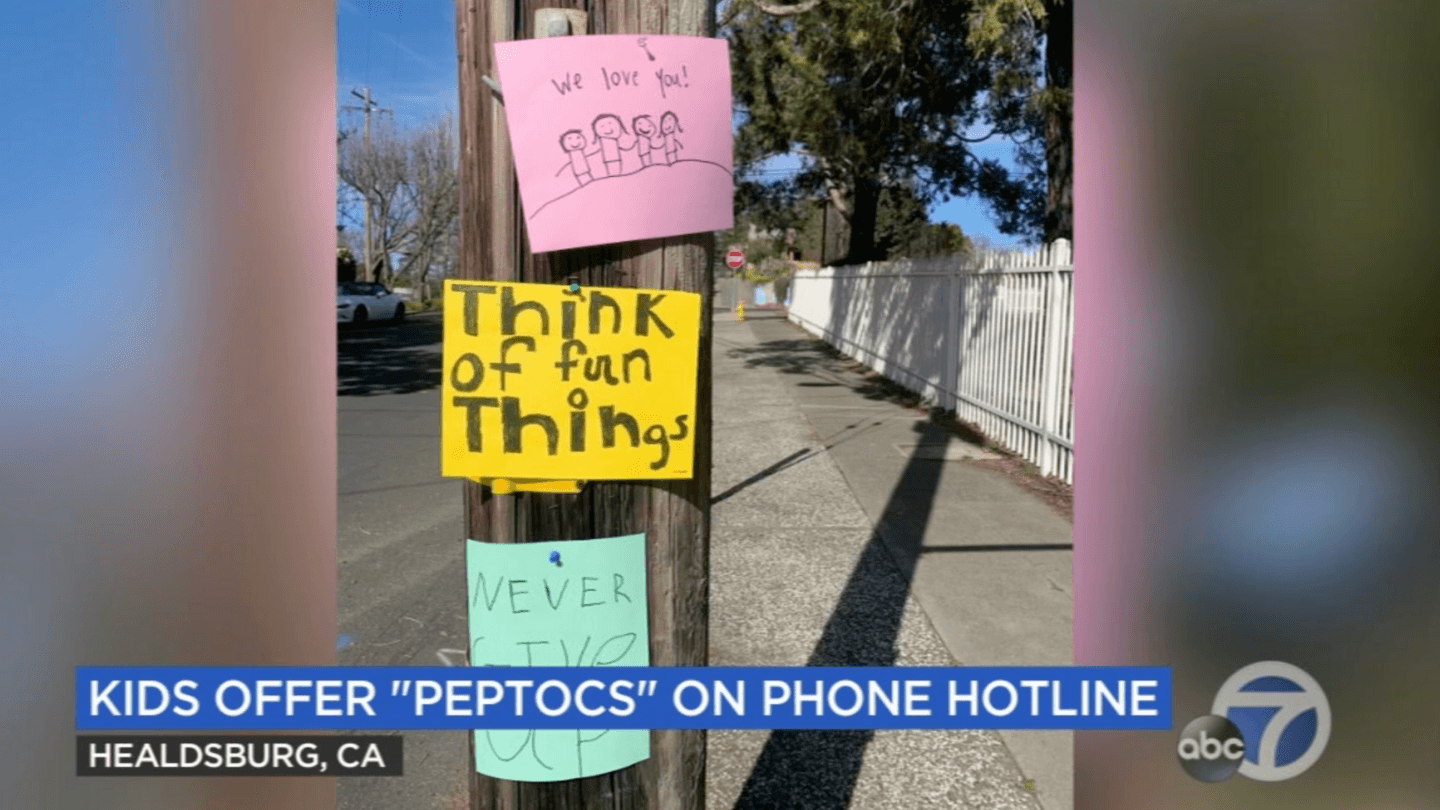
point(989, 336)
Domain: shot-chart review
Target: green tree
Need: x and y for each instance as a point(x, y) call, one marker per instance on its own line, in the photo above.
point(874, 95)
point(345, 264)
point(816, 220)
point(902, 228)
point(1032, 102)
point(900, 221)
point(941, 239)
point(763, 250)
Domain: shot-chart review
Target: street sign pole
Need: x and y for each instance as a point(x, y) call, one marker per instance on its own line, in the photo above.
point(674, 515)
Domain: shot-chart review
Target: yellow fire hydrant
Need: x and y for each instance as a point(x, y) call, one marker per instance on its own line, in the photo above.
point(740, 311)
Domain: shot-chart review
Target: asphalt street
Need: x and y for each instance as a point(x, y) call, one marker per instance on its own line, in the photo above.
point(400, 545)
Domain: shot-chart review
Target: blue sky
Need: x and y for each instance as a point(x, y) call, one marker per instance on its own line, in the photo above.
point(85, 130)
point(405, 51)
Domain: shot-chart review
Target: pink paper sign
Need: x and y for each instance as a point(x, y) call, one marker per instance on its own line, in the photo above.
point(619, 137)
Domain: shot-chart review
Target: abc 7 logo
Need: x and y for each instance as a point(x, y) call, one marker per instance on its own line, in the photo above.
point(1270, 722)
point(1211, 748)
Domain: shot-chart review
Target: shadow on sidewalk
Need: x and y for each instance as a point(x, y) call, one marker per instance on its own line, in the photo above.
point(814, 358)
point(818, 770)
point(779, 466)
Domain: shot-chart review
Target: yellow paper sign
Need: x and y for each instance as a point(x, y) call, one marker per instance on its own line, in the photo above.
point(544, 383)
point(505, 486)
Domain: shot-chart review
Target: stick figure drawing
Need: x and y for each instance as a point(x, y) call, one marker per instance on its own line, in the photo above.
point(612, 141)
point(608, 131)
point(595, 128)
point(669, 125)
point(646, 138)
point(573, 142)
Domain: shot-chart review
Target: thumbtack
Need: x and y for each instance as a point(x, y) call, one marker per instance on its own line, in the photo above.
point(555, 557)
point(574, 286)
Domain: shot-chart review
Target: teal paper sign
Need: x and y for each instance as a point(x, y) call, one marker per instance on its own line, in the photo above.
point(572, 603)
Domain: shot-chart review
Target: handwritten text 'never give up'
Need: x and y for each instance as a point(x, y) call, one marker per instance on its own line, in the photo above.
point(561, 595)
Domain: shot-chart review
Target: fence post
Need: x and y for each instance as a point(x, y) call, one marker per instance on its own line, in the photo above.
point(951, 344)
point(1050, 402)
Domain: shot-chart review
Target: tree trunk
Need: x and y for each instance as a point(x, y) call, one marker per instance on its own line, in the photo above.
point(1059, 143)
point(382, 269)
point(864, 212)
point(673, 515)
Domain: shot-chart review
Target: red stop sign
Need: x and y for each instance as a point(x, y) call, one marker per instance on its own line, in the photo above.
point(734, 259)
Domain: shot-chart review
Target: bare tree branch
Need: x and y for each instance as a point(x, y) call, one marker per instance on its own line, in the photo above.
point(411, 184)
point(987, 136)
point(788, 11)
point(734, 9)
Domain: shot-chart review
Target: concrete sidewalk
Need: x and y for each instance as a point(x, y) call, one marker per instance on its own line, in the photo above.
point(842, 536)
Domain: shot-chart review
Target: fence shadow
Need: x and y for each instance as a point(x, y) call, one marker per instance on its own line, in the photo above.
point(832, 368)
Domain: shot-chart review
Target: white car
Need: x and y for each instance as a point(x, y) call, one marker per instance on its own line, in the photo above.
point(361, 301)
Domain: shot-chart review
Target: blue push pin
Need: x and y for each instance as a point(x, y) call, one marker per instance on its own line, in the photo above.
point(574, 286)
point(555, 557)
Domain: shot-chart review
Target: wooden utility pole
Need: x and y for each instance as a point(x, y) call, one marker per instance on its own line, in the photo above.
point(370, 106)
point(673, 515)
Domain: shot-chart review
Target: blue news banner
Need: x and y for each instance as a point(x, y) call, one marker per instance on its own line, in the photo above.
point(437, 698)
